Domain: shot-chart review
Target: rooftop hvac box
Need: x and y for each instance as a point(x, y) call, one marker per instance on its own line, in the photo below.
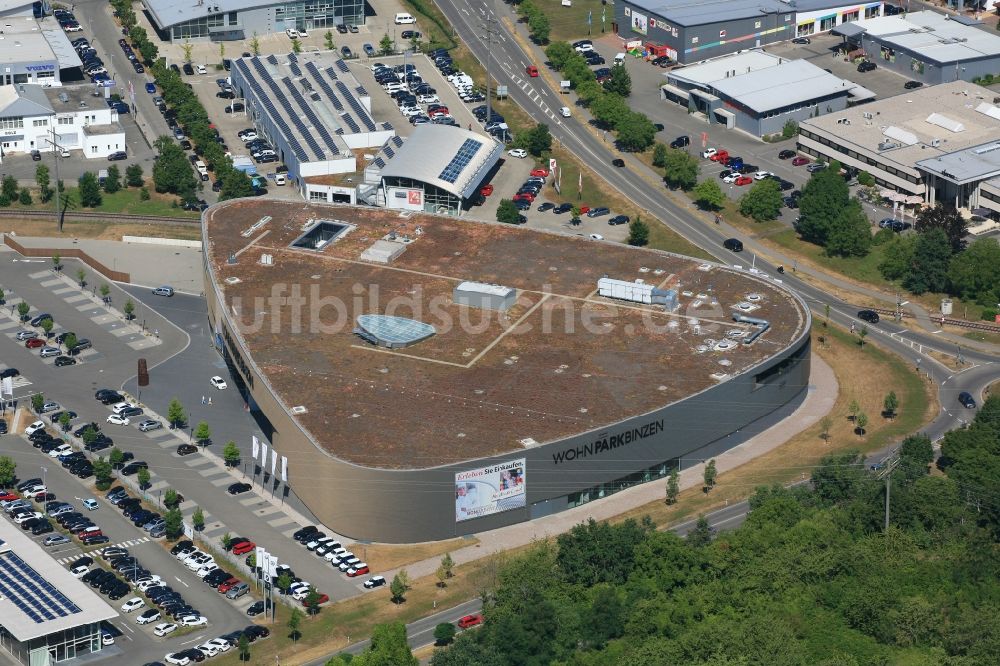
point(484, 296)
point(637, 292)
point(383, 252)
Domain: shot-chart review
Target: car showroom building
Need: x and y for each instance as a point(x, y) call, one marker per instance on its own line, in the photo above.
point(695, 31)
point(409, 413)
point(233, 20)
point(941, 143)
point(46, 615)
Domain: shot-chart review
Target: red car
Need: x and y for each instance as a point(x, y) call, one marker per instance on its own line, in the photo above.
point(470, 621)
point(322, 599)
point(531, 70)
point(354, 573)
point(228, 584)
point(7, 496)
point(584, 210)
point(34, 343)
point(440, 111)
point(486, 190)
point(244, 548)
point(540, 172)
point(744, 180)
point(525, 196)
point(721, 156)
point(799, 161)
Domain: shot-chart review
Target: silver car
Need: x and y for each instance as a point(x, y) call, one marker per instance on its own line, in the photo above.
point(149, 424)
point(26, 335)
point(56, 539)
point(49, 351)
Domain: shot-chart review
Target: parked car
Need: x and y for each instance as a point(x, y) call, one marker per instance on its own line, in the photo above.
point(869, 316)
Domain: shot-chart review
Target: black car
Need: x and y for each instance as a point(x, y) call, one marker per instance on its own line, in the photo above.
point(42, 528)
point(134, 467)
point(186, 449)
point(237, 488)
point(618, 219)
point(733, 244)
point(257, 608)
point(786, 154)
point(305, 532)
point(910, 85)
point(869, 316)
point(188, 69)
point(181, 545)
point(681, 142)
point(111, 398)
point(663, 61)
point(345, 51)
point(618, 162)
point(791, 202)
point(562, 208)
point(10, 372)
point(966, 400)
point(867, 66)
point(62, 361)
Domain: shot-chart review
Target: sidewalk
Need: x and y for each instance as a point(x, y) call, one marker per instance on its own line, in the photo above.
point(822, 394)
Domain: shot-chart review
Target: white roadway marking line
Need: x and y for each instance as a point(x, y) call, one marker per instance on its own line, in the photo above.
point(193, 640)
point(181, 582)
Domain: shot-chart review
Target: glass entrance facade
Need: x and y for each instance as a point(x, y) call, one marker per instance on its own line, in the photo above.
point(301, 15)
point(58, 646)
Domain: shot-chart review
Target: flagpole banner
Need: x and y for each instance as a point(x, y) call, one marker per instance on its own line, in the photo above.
point(272, 566)
point(259, 555)
point(263, 454)
point(8, 386)
point(256, 447)
point(284, 469)
point(274, 461)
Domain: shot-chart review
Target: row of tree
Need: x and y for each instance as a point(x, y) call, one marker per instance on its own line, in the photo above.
point(140, 38)
point(812, 577)
point(537, 21)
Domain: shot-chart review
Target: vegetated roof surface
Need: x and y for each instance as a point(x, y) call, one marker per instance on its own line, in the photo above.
point(561, 361)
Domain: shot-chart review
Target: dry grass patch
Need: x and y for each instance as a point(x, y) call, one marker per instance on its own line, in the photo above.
point(865, 375)
point(385, 557)
point(98, 230)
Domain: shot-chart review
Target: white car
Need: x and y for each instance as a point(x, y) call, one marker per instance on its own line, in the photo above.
point(207, 569)
point(118, 407)
point(201, 69)
point(62, 450)
point(148, 617)
point(292, 33)
point(220, 644)
point(708, 152)
point(79, 570)
point(731, 178)
point(21, 519)
point(519, 153)
point(164, 628)
point(428, 99)
point(596, 237)
point(114, 419)
point(564, 112)
point(207, 649)
point(194, 621)
point(33, 428)
point(177, 659)
point(146, 584)
point(761, 175)
point(584, 48)
point(135, 603)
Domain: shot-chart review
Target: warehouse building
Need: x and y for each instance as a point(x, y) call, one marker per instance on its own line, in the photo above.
point(758, 92)
point(46, 615)
point(312, 109)
point(941, 143)
point(32, 117)
point(691, 31)
point(438, 170)
point(228, 20)
point(926, 46)
point(36, 51)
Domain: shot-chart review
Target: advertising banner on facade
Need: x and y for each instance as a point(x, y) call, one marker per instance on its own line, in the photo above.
point(488, 490)
point(639, 23)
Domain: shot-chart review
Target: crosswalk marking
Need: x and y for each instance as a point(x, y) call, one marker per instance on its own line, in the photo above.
point(121, 544)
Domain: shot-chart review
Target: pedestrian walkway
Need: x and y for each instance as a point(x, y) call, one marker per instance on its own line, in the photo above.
point(821, 396)
point(121, 544)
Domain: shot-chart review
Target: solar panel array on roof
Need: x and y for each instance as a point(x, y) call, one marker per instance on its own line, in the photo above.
point(306, 134)
point(265, 100)
point(390, 153)
point(324, 84)
point(296, 70)
point(387, 126)
point(31, 593)
point(361, 91)
point(461, 159)
point(379, 162)
point(342, 66)
point(398, 140)
point(271, 59)
point(359, 110)
point(318, 126)
point(292, 57)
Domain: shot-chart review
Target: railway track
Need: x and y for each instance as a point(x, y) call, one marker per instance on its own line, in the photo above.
point(83, 216)
point(946, 321)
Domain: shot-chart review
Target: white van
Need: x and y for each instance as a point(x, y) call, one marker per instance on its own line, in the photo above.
point(201, 167)
point(404, 18)
point(279, 179)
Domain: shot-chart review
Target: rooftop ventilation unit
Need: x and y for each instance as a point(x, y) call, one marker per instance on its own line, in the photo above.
point(986, 149)
point(903, 136)
point(267, 259)
point(256, 225)
point(945, 122)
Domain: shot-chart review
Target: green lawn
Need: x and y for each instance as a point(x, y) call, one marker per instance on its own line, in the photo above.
point(864, 269)
point(570, 23)
point(125, 201)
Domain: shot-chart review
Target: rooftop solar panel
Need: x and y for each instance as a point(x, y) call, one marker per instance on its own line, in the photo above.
point(387, 126)
point(461, 159)
point(390, 153)
point(398, 140)
point(296, 70)
point(271, 59)
point(292, 57)
point(342, 66)
point(379, 162)
point(361, 91)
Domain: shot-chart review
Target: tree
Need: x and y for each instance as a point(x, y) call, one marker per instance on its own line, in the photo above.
point(708, 195)
point(296, 46)
point(171, 499)
point(916, 453)
point(43, 182)
point(102, 473)
point(790, 129)
point(198, 519)
point(620, 82)
point(701, 535)
point(559, 53)
point(445, 570)
point(861, 421)
point(187, 47)
point(609, 110)
point(444, 633)
point(90, 190)
point(244, 645)
point(825, 424)
point(255, 45)
point(862, 334)
point(328, 40)
point(823, 197)
point(507, 212)
point(105, 290)
point(113, 182)
point(143, 478)
point(946, 219)
point(388, 648)
point(850, 232)
point(538, 139)
point(9, 187)
point(172, 171)
point(24, 198)
point(89, 435)
point(673, 486)
point(231, 454)
point(398, 588)
point(385, 45)
point(763, 201)
point(636, 132)
point(890, 404)
point(681, 170)
point(897, 257)
point(133, 176)
point(710, 475)
point(202, 433)
point(47, 325)
point(975, 273)
point(284, 581)
point(540, 27)
point(311, 602)
point(116, 457)
point(70, 340)
point(129, 309)
point(23, 309)
point(56, 262)
point(638, 232)
point(64, 420)
point(37, 400)
point(660, 155)
point(294, 620)
point(175, 413)
point(853, 408)
point(865, 179)
point(8, 470)
point(929, 266)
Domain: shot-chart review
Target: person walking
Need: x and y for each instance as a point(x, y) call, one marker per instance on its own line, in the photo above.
point(203, 397)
